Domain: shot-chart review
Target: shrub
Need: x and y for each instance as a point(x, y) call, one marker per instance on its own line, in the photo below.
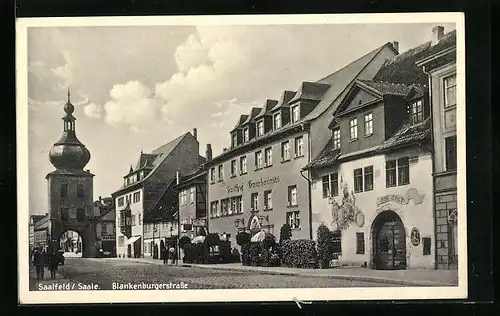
point(325, 246)
point(245, 258)
point(225, 252)
point(212, 240)
point(255, 253)
point(300, 254)
point(285, 233)
point(243, 238)
point(184, 241)
point(269, 241)
point(235, 256)
point(194, 253)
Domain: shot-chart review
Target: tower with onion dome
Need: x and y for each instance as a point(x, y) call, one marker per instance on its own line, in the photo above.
point(70, 187)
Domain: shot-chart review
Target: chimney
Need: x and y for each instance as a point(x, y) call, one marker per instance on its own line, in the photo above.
point(395, 44)
point(208, 153)
point(195, 133)
point(437, 34)
point(177, 181)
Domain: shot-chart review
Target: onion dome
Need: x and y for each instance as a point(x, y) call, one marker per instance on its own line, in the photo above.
point(68, 152)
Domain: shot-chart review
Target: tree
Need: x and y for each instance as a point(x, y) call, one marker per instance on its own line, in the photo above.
point(285, 233)
point(325, 246)
point(212, 240)
point(243, 238)
point(184, 241)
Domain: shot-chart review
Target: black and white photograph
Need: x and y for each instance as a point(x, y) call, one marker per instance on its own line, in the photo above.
point(241, 158)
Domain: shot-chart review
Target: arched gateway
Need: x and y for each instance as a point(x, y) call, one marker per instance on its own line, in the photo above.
point(389, 242)
point(71, 188)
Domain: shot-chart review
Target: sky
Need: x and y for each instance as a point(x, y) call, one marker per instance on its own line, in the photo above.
point(138, 87)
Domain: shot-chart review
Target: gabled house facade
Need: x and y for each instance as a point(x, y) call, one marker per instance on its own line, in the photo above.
point(257, 184)
point(145, 187)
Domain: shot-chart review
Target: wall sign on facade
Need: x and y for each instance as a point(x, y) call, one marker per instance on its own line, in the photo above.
point(262, 182)
point(415, 236)
point(360, 219)
point(411, 194)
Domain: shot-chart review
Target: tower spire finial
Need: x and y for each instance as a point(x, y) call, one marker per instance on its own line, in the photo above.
point(69, 94)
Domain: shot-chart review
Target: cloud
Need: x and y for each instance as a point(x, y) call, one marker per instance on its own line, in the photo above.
point(65, 71)
point(132, 105)
point(92, 110)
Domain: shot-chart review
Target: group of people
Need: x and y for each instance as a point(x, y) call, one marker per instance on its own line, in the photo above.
point(42, 258)
point(169, 253)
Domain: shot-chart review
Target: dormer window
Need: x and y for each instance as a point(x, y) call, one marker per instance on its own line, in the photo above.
point(295, 113)
point(235, 140)
point(277, 120)
point(246, 135)
point(417, 112)
point(260, 128)
point(336, 138)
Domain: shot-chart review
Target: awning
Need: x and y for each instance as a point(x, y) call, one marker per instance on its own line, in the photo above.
point(132, 239)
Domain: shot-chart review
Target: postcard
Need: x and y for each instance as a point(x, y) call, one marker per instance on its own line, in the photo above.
point(241, 158)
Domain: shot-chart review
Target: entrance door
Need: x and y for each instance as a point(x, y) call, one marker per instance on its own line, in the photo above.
point(390, 244)
point(129, 251)
point(137, 249)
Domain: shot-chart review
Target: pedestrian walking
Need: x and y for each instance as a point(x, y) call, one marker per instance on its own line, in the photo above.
point(172, 255)
point(38, 261)
point(165, 255)
point(53, 264)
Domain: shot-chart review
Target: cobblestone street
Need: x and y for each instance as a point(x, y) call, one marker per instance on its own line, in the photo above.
point(106, 271)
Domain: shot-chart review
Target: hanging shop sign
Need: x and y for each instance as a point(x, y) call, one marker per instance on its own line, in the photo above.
point(415, 236)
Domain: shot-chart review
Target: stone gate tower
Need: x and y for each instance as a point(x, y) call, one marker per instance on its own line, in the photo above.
point(70, 187)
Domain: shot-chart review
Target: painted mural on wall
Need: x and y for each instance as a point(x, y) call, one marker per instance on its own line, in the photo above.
point(346, 213)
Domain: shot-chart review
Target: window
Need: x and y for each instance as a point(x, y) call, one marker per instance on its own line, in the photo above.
point(368, 124)
point(214, 209)
point(80, 190)
point(137, 197)
point(192, 194)
point(235, 140)
point(80, 215)
point(183, 197)
point(133, 220)
point(450, 144)
point(293, 219)
point(295, 113)
point(277, 120)
point(236, 205)
point(390, 173)
point(292, 195)
point(246, 136)
point(450, 91)
point(254, 201)
point(353, 128)
point(64, 190)
point(336, 138)
point(212, 175)
point(299, 146)
point(360, 243)
point(269, 156)
point(268, 200)
point(403, 171)
point(104, 229)
point(358, 180)
point(233, 168)
point(368, 173)
point(285, 151)
point(426, 241)
point(337, 241)
point(331, 185)
point(224, 206)
point(417, 112)
point(260, 128)
point(221, 173)
point(258, 160)
point(243, 165)
point(64, 214)
point(120, 201)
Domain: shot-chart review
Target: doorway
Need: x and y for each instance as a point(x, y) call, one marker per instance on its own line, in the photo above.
point(389, 242)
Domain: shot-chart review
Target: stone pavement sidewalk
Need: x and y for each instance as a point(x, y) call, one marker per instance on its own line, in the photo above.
point(409, 277)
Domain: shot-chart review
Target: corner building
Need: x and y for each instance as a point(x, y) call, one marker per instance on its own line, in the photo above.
point(258, 183)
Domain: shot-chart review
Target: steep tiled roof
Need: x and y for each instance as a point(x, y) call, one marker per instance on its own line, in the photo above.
point(408, 134)
point(310, 91)
point(340, 80)
point(403, 69)
point(242, 119)
point(42, 223)
point(266, 109)
point(253, 113)
point(325, 158)
point(166, 206)
point(286, 96)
